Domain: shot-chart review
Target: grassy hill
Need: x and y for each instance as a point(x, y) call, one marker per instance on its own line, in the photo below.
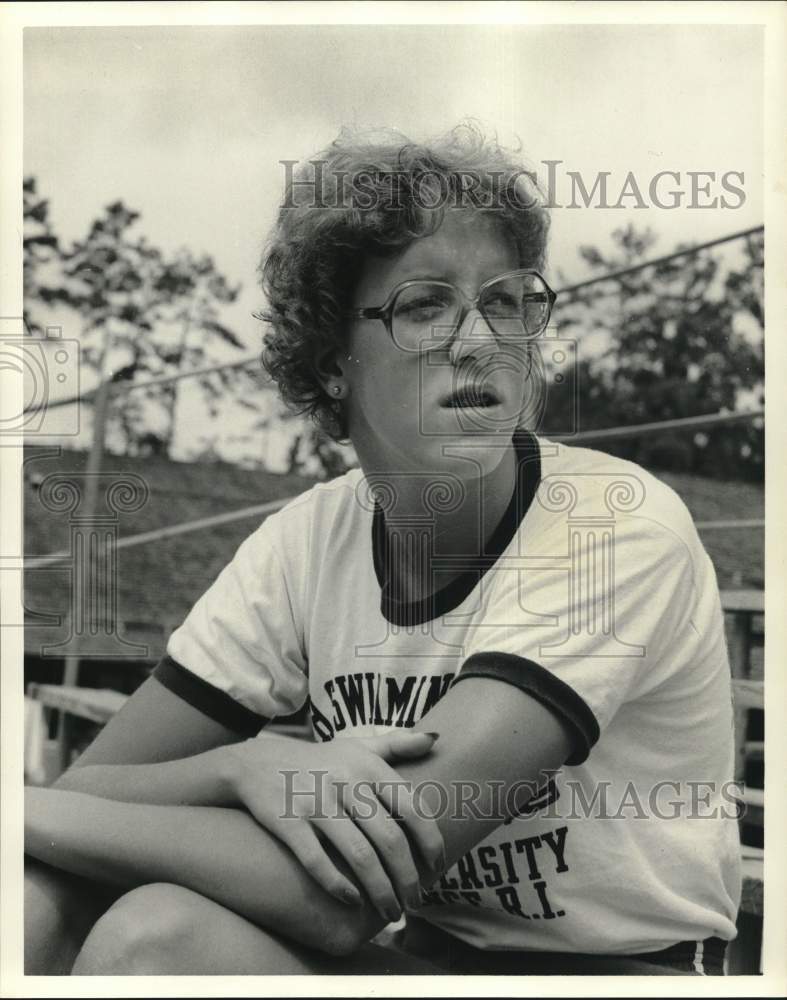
point(158, 582)
point(737, 553)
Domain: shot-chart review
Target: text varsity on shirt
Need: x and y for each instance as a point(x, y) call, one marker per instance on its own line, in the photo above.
point(596, 596)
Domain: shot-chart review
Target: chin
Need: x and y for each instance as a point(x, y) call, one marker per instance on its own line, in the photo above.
point(470, 455)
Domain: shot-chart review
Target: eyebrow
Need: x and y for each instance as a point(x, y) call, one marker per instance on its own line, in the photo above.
point(448, 281)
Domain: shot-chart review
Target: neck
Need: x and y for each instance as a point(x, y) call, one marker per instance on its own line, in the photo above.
point(434, 514)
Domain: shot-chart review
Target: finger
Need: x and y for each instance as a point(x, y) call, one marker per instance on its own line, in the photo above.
point(400, 746)
point(372, 817)
point(423, 829)
point(305, 845)
point(362, 858)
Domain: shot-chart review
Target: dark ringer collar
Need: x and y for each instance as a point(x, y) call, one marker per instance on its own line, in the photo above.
point(448, 598)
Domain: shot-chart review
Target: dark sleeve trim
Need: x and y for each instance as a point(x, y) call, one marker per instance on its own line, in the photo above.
point(544, 687)
point(206, 698)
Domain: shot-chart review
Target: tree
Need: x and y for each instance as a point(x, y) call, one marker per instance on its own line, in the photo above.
point(679, 339)
point(196, 289)
point(313, 453)
point(144, 313)
point(41, 257)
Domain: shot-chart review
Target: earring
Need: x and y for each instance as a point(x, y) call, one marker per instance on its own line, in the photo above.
point(336, 390)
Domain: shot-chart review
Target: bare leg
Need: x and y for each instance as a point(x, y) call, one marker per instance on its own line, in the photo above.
point(168, 930)
point(60, 910)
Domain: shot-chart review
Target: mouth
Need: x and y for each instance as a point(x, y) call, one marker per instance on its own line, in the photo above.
point(471, 397)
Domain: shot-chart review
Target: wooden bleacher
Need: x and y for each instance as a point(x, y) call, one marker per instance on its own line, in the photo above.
point(744, 611)
point(95, 704)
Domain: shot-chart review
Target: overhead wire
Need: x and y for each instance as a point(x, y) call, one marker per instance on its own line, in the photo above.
point(609, 433)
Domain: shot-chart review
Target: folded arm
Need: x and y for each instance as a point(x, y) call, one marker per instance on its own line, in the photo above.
point(492, 736)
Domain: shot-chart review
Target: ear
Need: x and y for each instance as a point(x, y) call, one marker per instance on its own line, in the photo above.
point(330, 370)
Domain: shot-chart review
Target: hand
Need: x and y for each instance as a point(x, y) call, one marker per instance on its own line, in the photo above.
point(347, 794)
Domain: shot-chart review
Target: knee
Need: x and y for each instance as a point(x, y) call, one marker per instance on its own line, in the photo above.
point(60, 909)
point(46, 918)
point(148, 931)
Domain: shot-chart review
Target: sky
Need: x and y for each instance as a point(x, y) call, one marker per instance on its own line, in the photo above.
point(188, 126)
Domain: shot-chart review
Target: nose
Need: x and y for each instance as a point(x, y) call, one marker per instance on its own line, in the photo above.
point(473, 338)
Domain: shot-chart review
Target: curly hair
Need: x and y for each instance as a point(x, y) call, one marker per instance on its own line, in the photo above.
point(373, 193)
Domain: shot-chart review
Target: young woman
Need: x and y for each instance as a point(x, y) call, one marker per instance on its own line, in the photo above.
point(512, 649)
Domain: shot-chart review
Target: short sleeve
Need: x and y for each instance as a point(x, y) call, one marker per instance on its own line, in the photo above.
point(588, 620)
point(238, 657)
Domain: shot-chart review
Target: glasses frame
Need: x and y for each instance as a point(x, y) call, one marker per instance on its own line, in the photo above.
point(385, 311)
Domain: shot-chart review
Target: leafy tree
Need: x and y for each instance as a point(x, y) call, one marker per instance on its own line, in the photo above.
point(678, 339)
point(143, 314)
point(313, 453)
point(41, 257)
point(196, 290)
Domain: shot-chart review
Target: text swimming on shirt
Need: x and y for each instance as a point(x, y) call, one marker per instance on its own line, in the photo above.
point(366, 698)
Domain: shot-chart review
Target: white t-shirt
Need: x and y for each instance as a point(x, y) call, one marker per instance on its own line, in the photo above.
point(596, 596)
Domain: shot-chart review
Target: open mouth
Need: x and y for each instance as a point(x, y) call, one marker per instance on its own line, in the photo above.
point(471, 397)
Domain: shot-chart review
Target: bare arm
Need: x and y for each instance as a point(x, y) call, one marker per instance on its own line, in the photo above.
point(250, 775)
point(490, 732)
point(221, 853)
point(158, 749)
point(154, 725)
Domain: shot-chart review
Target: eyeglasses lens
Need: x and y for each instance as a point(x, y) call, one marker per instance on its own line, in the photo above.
point(514, 307)
point(424, 312)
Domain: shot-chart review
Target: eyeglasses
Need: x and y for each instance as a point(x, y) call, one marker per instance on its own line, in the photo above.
point(423, 313)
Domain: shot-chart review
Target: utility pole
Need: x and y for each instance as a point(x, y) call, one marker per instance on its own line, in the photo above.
point(94, 461)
